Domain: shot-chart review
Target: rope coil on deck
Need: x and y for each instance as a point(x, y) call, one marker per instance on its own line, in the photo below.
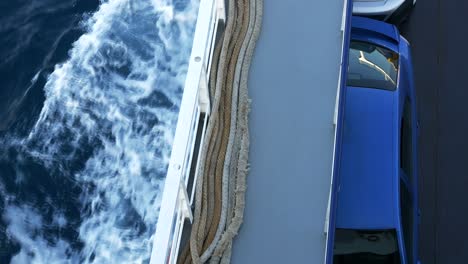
point(221, 183)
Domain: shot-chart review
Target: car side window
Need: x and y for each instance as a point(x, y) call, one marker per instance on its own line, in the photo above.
point(406, 207)
point(406, 142)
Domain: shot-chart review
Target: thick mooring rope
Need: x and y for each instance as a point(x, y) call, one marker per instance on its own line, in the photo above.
point(221, 183)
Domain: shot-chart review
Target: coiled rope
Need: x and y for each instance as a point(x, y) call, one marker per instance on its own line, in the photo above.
point(221, 183)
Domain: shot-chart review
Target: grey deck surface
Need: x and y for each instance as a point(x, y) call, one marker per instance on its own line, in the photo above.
point(293, 84)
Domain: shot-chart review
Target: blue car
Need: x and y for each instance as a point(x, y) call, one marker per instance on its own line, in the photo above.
point(377, 215)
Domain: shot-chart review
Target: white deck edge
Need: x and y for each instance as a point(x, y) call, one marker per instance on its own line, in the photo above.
point(335, 122)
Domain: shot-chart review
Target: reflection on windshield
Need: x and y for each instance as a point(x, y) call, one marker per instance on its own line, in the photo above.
point(372, 66)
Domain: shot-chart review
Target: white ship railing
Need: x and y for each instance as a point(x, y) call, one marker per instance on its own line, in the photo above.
point(190, 130)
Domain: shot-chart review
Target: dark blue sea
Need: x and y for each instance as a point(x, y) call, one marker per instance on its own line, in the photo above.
point(89, 99)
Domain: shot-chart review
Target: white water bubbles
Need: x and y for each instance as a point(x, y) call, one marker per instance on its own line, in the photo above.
point(108, 123)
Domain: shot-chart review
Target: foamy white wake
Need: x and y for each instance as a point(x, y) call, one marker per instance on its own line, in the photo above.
point(108, 122)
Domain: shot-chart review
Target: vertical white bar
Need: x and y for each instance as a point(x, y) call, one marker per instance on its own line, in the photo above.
point(221, 9)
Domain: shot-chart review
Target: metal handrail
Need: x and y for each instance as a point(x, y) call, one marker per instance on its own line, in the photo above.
point(175, 204)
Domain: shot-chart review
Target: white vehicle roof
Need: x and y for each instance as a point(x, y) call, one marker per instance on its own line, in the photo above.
point(376, 7)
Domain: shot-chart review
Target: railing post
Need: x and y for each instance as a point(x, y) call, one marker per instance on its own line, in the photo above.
point(185, 202)
point(204, 95)
point(220, 6)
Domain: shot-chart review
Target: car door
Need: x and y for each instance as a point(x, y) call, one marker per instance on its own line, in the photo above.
point(408, 182)
point(407, 218)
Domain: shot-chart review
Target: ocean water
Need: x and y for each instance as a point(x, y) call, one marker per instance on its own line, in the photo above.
point(89, 98)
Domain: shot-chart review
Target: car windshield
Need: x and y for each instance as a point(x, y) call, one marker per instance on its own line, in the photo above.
point(365, 247)
point(372, 66)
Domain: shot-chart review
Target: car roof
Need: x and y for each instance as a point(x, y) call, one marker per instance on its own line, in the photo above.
point(367, 196)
